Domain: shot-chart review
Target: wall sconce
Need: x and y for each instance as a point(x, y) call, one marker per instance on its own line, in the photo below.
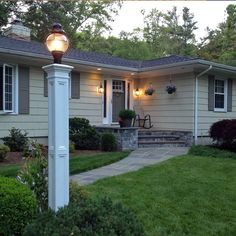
point(137, 92)
point(100, 88)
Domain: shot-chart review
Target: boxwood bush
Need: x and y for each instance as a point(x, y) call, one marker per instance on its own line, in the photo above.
point(83, 135)
point(17, 206)
point(98, 217)
point(3, 151)
point(108, 142)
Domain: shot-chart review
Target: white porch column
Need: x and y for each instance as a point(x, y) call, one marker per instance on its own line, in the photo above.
point(58, 134)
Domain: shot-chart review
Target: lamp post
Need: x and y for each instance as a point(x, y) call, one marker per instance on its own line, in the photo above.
point(58, 116)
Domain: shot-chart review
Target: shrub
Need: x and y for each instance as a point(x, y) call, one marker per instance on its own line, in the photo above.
point(224, 133)
point(71, 147)
point(3, 151)
point(83, 135)
point(17, 206)
point(89, 217)
point(77, 193)
point(34, 149)
point(34, 174)
point(108, 142)
point(209, 151)
point(127, 114)
point(16, 141)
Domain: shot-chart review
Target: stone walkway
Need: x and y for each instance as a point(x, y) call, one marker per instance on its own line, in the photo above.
point(136, 160)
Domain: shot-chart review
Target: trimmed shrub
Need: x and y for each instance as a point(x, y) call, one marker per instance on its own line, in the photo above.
point(108, 142)
point(83, 135)
point(88, 217)
point(17, 206)
point(3, 151)
point(224, 133)
point(77, 193)
point(17, 140)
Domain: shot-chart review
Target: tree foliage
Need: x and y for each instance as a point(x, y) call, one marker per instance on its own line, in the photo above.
point(73, 15)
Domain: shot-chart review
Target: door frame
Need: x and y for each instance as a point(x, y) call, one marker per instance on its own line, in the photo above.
point(109, 96)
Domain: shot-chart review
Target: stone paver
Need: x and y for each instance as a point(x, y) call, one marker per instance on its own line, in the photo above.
point(136, 160)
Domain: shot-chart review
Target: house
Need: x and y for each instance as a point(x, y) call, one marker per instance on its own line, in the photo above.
point(206, 91)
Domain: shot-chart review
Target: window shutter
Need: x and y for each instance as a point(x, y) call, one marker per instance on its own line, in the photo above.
point(23, 90)
point(211, 99)
point(229, 97)
point(75, 85)
point(45, 88)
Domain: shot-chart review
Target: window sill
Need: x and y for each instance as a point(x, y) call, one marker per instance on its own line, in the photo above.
point(220, 110)
point(8, 113)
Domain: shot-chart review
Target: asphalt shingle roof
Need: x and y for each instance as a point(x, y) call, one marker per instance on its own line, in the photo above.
point(93, 57)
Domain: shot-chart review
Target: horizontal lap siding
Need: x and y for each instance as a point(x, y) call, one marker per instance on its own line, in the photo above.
point(169, 111)
point(207, 118)
point(36, 123)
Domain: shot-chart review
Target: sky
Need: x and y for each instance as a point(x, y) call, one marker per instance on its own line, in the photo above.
point(206, 13)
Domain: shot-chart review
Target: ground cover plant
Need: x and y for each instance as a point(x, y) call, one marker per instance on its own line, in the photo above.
point(78, 164)
point(187, 195)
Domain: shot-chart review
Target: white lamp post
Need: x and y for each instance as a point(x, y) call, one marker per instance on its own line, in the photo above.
point(58, 116)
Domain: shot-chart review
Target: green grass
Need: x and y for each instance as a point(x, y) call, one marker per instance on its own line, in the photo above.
point(77, 164)
point(84, 163)
point(187, 195)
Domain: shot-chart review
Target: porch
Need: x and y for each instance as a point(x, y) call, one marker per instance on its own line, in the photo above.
point(131, 138)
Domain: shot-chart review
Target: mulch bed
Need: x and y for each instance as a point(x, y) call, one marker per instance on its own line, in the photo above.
point(17, 158)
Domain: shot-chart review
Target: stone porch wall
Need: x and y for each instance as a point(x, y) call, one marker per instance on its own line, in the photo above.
point(126, 137)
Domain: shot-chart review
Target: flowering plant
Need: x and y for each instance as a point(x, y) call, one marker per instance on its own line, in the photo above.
point(170, 88)
point(149, 91)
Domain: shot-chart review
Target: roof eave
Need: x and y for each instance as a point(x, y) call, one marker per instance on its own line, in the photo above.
point(69, 60)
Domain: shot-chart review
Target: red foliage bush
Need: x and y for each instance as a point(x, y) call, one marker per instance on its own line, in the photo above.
point(224, 133)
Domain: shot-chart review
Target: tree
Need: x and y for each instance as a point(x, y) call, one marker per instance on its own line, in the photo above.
point(219, 44)
point(7, 9)
point(166, 35)
point(73, 15)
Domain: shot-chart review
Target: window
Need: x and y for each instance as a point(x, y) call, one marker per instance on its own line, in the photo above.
point(7, 89)
point(118, 86)
point(220, 92)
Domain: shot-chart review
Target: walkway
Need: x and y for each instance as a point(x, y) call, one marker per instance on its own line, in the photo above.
point(136, 160)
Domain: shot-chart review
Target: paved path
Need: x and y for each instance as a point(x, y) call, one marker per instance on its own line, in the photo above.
point(136, 160)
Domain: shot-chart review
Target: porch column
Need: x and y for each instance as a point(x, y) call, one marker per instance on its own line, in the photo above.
point(58, 135)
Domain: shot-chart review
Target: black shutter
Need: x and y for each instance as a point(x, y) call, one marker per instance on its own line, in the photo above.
point(23, 90)
point(45, 88)
point(75, 85)
point(229, 97)
point(211, 99)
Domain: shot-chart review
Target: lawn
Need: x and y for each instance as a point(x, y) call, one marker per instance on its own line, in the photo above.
point(187, 195)
point(77, 164)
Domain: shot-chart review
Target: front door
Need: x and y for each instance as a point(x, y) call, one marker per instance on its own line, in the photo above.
point(118, 98)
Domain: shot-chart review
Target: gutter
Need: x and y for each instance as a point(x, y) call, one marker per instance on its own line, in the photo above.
point(196, 103)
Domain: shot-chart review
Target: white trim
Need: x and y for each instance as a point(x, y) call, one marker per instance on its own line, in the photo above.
point(225, 94)
point(13, 89)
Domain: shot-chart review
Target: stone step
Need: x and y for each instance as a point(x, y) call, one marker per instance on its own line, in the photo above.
point(158, 137)
point(162, 144)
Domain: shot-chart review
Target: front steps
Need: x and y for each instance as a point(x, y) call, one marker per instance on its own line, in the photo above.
point(164, 138)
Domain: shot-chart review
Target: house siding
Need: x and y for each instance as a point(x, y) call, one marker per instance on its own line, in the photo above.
point(205, 117)
point(89, 106)
point(169, 111)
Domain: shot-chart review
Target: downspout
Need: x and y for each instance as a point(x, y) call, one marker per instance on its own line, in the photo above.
point(196, 103)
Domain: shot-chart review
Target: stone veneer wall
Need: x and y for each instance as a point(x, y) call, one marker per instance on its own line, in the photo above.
point(127, 137)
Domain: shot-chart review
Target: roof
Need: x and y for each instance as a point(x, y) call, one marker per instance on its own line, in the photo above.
point(39, 49)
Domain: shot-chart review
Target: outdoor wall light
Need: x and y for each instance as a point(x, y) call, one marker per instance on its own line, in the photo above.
point(100, 88)
point(57, 42)
point(137, 92)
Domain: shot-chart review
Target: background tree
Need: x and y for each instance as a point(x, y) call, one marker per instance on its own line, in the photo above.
point(73, 15)
point(7, 10)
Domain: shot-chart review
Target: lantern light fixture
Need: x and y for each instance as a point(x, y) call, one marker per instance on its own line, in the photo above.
point(137, 92)
point(100, 88)
point(57, 42)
